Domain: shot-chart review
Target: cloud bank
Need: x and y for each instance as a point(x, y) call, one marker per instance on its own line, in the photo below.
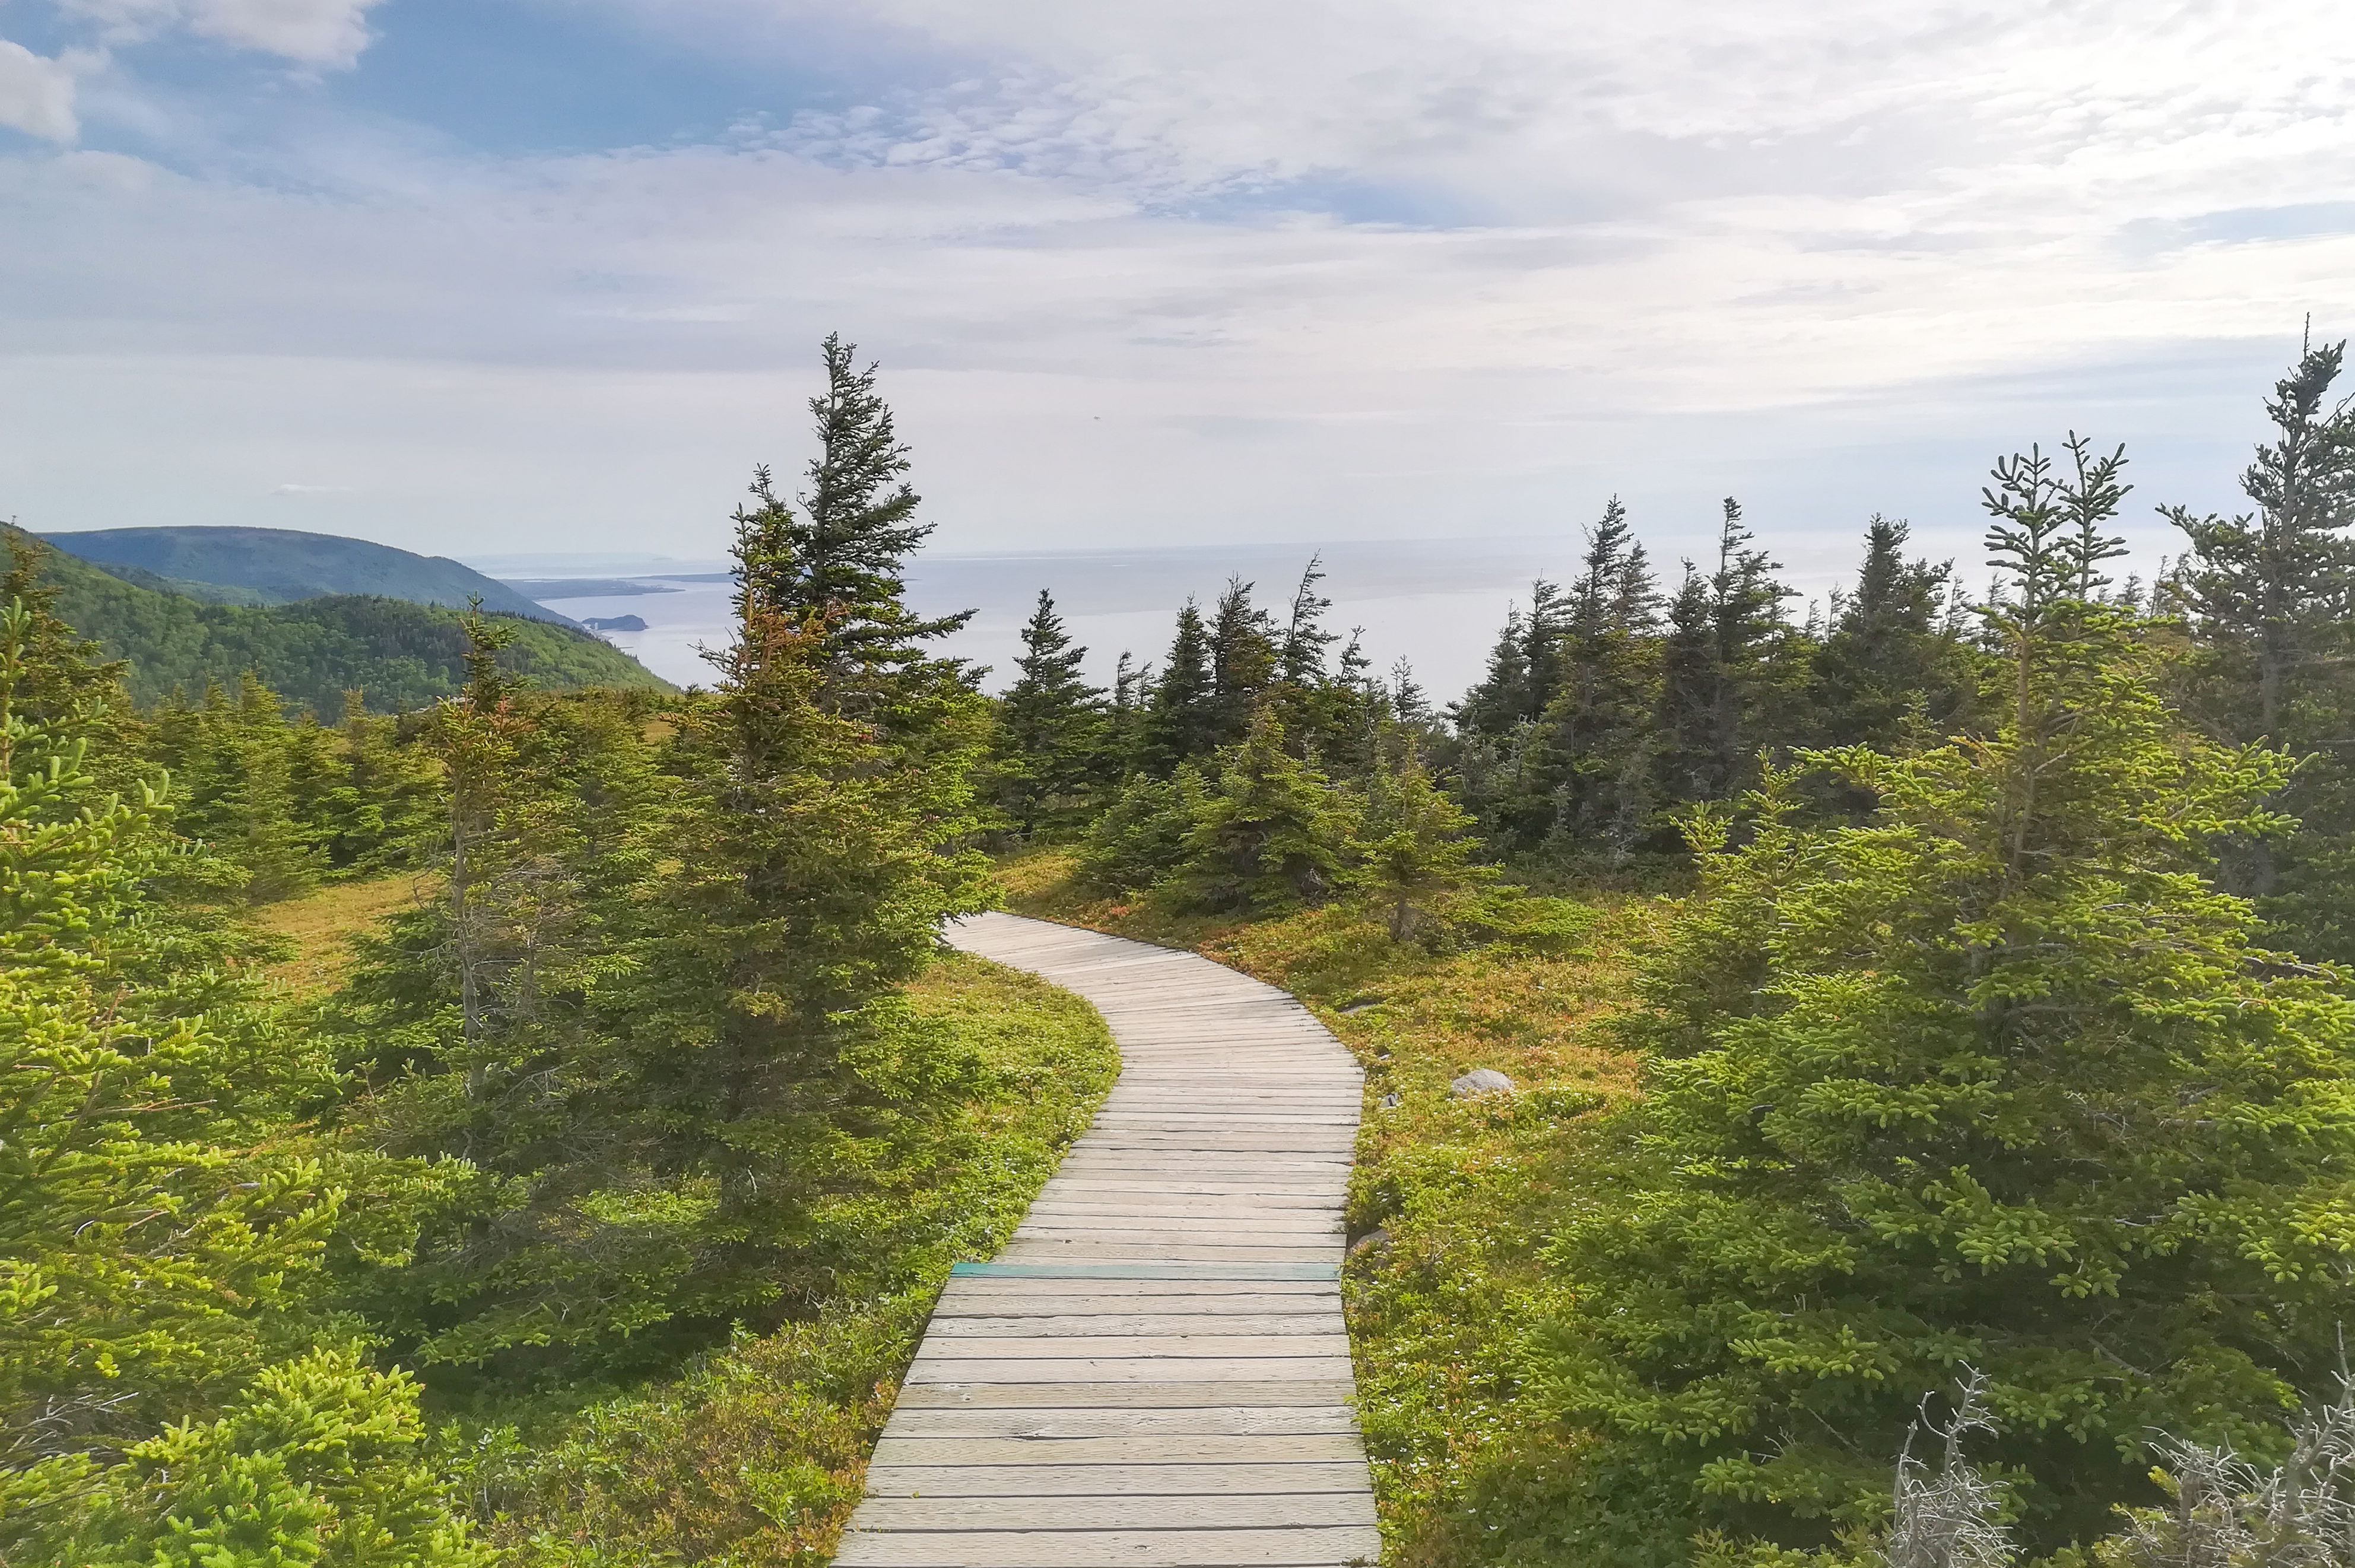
point(1209, 268)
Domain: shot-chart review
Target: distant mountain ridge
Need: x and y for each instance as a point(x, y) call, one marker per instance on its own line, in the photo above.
point(397, 654)
point(285, 566)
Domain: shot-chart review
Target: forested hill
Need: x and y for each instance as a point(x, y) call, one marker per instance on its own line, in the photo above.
point(282, 566)
point(397, 654)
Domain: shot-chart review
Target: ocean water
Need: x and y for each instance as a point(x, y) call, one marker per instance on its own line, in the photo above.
point(1436, 604)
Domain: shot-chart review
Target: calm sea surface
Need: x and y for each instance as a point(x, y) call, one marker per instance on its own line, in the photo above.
point(1436, 604)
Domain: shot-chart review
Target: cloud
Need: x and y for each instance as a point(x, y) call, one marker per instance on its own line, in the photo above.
point(315, 32)
point(324, 33)
point(312, 490)
point(1448, 268)
point(36, 95)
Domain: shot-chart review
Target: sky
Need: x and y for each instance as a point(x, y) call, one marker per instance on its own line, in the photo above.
point(539, 277)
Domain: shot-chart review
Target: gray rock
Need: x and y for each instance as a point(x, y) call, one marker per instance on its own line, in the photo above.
point(1374, 1241)
point(1478, 1082)
point(1391, 1102)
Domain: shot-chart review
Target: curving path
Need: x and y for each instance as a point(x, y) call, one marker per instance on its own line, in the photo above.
point(1154, 1370)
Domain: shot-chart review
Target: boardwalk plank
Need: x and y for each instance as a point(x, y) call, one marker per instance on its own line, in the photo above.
point(1311, 1547)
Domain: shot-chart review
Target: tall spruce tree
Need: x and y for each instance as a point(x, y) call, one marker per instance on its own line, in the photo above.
point(1050, 741)
point(2270, 599)
point(812, 878)
point(842, 556)
point(1997, 1079)
point(1180, 724)
point(1597, 732)
point(1244, 655)
point(1727, 666)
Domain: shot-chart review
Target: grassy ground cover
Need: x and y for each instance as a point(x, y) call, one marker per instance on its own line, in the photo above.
point(1451, 1198)
point(318, 930)
point(754, 1456)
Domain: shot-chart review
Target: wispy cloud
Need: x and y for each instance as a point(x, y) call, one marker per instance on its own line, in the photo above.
point(1451, 267)
point(324, 33)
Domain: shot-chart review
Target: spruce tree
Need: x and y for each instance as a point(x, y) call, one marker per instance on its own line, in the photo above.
point(1132, 691)
point(1244, 655)
point(1049, 743)
point(1499, 698)
point(1524, 668)
point(1997, 1078)
point(1597, 732)
point(1315, 707)
point(167, 1219)
point(1350, 710)
point(842, 556)
point(1414, 846)
point(811, 881)
point(1300, 652)
point(477, 736)
point(1727, 664)
point(384, 812)
point(1891, 661)
point(1504, 761)
point(1142, 835)
point(1272, 834)
point(1181, 722)
point(2267, 596)
point(262, 832)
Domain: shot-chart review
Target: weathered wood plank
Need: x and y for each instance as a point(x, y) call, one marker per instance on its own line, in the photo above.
point(1222, 1420)
point(1315, 1547)
point(1292, 1394)
point(1265, 1511)
point(1150, 1448)
point(1111, 1480)
point(1063, 1327)
point(952, 1346)
point(1127, 1368)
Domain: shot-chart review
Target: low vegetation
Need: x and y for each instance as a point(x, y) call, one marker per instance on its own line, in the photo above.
point(532, 1129)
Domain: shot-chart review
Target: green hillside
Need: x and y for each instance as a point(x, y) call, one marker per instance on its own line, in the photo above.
point(399, 655)
point(280, 565)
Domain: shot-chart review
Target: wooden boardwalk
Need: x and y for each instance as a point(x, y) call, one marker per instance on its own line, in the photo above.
point(1154, 1370)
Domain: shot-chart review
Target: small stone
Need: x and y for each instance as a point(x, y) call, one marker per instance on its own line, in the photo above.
point(1478, 1082)
point(1391, 1102)
point(1374, 1241)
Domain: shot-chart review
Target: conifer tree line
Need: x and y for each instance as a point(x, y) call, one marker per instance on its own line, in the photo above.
point(1253, 768)
point(1614, 708)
